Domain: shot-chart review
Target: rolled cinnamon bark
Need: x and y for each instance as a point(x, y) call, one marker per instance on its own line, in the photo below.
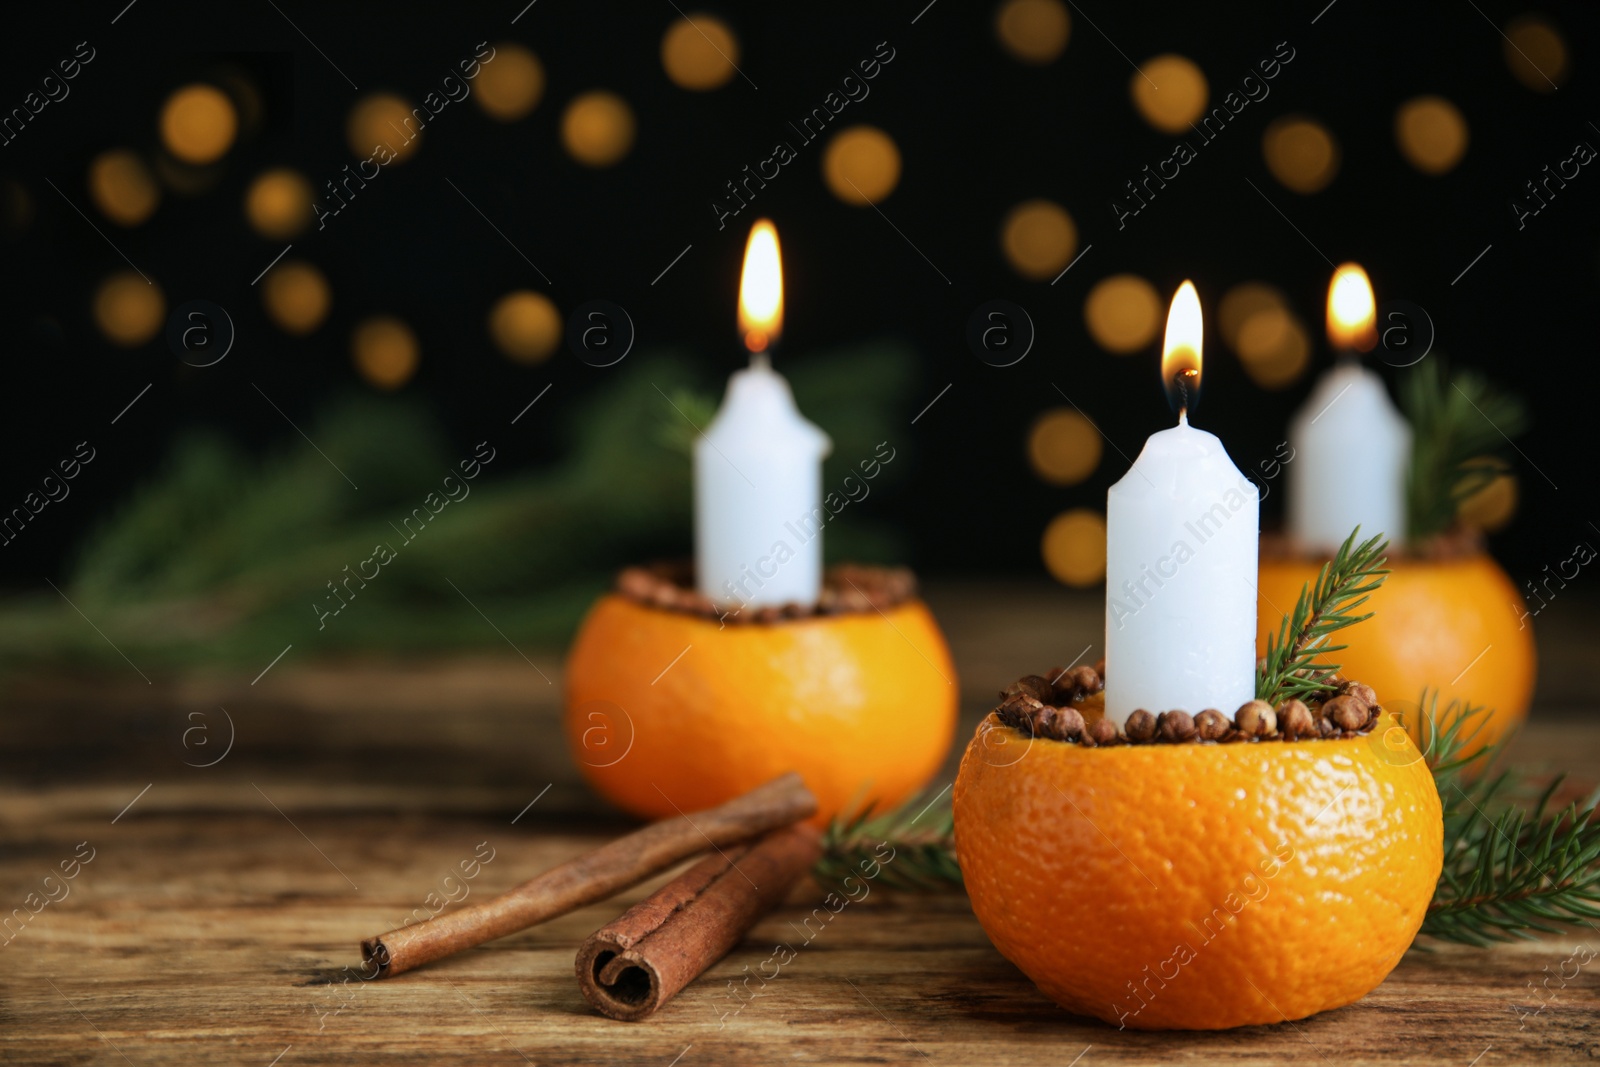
point(591, 877)
point(631, 967)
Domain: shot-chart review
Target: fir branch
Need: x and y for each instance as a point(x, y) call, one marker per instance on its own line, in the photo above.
point(1459, 425)
point(1510, 870)
point(1291, 668)
point(922, 835)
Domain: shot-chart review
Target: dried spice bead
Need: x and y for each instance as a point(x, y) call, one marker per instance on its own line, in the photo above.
point(1069, 721)
point(1175, 726)
point(1255, 718)
point(1039, 687)
point(1211, 725)
point(1141, 726)
point(1088, 679)
point(1294, 720)
point(1102, 731)
point(1348, 712)
point(1363, 693)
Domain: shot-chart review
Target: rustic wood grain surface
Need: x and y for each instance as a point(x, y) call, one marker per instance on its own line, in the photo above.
point(222, 903)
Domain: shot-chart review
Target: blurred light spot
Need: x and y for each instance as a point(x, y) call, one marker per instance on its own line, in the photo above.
point(525, 326)
point(1170, 92)
point(1536, 53)
point(1034, 31)
point(1274, 347)
point(278, 203)
point(1038, 238)
point(597, 128)
point(1491, 508)
point(1123, 313)
point(198, 123)
point(128, 310)
point(1063, 447)
point(1431, 132)
point(1301, 153)
point(1242, 301)
point(122, 187)
point(510, 87)
point(16, 207)
point(381, 119)
point(699, 52)
point(296, 296)
point(861, 165)
point(385, 351)
point(1074, 547)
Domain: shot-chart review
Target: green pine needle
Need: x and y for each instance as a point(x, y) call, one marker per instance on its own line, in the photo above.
point(1291, 668)
point(1510, 869)
point(1459, 424)
point(921, 833)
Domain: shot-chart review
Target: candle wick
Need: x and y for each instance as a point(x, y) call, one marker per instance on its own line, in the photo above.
point(760, 360)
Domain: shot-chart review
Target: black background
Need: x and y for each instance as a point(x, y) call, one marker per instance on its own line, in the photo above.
point(978, 132)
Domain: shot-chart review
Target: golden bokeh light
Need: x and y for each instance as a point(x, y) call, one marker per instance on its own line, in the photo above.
point(1274, 346)
point(16, 207)
point(1491, 507)
point(1170, 91)
point(1301, 153)
point(510, 87)
point(525, 326)
point(122, 187)
point(1431, 133)
point(296, 297)
point(1074, 547)
point(861, 165)
point(597, 128)
point(278, 203)
point(1034, 31)
point(385, 351)
point(1536, 53)
point(1242, 301)
point(129, 310)
point(198, 123)
point(383, 119)
point(1123, 313)
point(1039, 238)
point(1063, 447)
point(699, 52)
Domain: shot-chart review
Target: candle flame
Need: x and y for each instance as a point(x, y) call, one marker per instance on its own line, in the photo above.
point(1180, 353)
point(1352, 318)
point(761, 288)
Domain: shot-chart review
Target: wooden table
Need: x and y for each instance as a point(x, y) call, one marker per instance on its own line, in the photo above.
point(222, 902)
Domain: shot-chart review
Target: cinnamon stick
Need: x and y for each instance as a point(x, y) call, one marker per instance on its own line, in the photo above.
point(634, 965)
point(591, 877)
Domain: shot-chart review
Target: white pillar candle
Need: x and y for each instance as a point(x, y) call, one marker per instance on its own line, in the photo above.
point(758, 467)
point(758, 496)
point(1351, 447)
point(1182, 531)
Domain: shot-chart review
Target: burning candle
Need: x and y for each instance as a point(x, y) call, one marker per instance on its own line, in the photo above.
point(758, 466)
point(1181, 537)
point(1351, 446)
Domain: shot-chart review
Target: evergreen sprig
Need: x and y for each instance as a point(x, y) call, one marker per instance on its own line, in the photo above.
point(1510, 869)
point(922, 834)
point(1459, 425)
point(1292, 668)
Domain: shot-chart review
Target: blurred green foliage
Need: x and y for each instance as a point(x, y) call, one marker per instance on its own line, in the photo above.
point(223, 558)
